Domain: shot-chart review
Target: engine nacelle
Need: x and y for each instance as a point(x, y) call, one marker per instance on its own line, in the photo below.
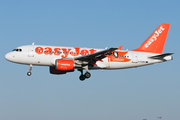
point(53, 70)
point(64, 65)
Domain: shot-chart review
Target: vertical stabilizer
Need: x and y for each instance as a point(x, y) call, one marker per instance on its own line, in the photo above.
point(155, 42)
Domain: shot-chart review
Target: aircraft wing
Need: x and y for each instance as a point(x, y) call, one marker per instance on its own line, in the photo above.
point(97, 56)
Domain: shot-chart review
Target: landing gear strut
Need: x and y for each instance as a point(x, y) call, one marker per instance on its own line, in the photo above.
point(30, 68)
point(86, 75)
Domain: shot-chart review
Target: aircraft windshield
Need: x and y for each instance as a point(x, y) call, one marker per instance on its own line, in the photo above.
point(18, 50)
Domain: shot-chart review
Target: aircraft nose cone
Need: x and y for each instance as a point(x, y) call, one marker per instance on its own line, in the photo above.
point(8, 56)
point(12, 57)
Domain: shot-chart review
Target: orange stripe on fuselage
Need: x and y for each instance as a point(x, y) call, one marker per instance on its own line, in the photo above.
point(119, 57)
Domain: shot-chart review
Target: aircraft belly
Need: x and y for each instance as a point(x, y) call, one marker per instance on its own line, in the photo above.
point(120, 65)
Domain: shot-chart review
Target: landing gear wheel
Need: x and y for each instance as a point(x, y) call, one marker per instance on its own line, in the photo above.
point(30, 68)
point(29, 73)
point(87, 75)
point(82, 77)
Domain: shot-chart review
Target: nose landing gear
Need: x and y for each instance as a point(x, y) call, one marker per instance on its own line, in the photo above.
point(30, 68)
point(29, 73)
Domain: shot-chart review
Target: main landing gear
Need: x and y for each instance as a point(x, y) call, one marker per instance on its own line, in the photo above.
point(30, 68)
point(86, 75)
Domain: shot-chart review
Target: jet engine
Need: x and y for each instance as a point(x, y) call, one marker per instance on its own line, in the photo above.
point(64, 65)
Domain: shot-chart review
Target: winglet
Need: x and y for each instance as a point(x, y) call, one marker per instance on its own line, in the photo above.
point(155, 42)
point(120, 47)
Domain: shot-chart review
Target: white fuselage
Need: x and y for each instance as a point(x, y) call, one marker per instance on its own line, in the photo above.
point(46, 55)
point(65, 59)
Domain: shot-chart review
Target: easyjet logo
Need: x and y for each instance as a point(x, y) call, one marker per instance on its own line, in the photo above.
point(154, 37)
point(66, 64)
point(63, 52)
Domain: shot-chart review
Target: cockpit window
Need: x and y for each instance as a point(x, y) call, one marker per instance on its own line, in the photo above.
point(18, 50)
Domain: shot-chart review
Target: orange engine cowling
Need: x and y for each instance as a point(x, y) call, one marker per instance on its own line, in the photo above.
point(64, 65)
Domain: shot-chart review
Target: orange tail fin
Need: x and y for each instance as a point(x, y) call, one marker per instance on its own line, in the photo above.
point(155, 42)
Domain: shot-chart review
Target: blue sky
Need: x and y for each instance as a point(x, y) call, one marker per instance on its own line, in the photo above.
point(130, 94)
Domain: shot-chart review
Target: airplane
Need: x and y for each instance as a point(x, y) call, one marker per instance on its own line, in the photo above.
point(62, 60)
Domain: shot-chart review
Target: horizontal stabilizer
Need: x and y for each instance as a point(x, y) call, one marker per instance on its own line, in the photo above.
point(161, 56)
